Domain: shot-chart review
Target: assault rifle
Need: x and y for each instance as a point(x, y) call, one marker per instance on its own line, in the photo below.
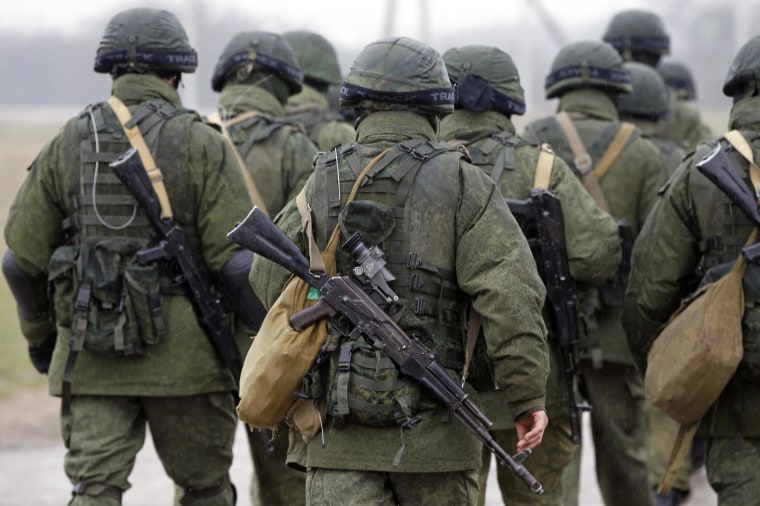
point(540, 218)
point(719, 169)
point(346, 295)
point(182, 265)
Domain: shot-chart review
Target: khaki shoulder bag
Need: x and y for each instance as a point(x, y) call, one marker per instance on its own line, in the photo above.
point(280, 356)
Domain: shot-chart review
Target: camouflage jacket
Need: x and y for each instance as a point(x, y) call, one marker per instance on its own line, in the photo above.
point(685, 126)
point(674, 246)
point(276, 151)
point(593, 250)
point(325, 127)
point(629, 186)
point(207, 195)
point(470, 233)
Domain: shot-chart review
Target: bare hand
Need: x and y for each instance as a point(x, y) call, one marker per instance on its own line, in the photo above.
point(530, 430)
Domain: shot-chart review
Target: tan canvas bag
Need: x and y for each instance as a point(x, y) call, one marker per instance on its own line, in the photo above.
point(280, 356)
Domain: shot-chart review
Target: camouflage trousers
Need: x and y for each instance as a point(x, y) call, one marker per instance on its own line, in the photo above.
point(328, 487)
point(619, 427)
point(273, 482)
point(732, 470)
point(193, 436)
point(545, 464)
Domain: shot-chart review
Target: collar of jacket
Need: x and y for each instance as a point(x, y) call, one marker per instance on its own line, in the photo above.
point(589, 102)
point(136, 88)
point(745, 115)
point(394, 127)
point(308, 95)
point(467, 125)
point(239, 98)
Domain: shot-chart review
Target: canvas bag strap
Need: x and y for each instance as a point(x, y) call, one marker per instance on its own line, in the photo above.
point(253, 191)
point(320, 262)
point(544, 167)
point(582, 161)
point(740, 144)
point(613, 150)
point(138, 142)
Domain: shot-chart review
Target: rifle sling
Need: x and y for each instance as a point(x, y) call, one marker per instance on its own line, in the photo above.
point(544, 167)
point(614, 149)
point(138, 142)
point(250, 185)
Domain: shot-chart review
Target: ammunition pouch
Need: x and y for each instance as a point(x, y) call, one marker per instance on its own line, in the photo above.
point(110, 302)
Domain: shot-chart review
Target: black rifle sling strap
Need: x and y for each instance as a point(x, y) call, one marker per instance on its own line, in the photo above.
point(686, 432)
point(250, 185)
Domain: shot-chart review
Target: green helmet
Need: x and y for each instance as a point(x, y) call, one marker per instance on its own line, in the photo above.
point(256, 49)
point(743, 76)
point(484, 78)
point(398, 73)
point(587, 64)
point(650, 98)
point(142, 40)
point(638, 31)
point(316, 56)
point(678, 77)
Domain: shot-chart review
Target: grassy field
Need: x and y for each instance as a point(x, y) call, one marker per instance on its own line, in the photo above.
point(19, 144)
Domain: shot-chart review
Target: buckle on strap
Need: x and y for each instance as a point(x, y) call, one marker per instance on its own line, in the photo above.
point(83, 296)
point(583, 163)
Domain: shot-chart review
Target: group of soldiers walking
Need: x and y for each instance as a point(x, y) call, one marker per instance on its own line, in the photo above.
point(542, 313)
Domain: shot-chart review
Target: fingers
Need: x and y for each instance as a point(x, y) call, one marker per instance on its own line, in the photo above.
point(530, 430)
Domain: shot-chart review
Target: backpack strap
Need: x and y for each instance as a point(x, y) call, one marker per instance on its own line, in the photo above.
point(253, 191)
point(583, 163)
point(613, 151)
point(544, 167)
point(138, 142)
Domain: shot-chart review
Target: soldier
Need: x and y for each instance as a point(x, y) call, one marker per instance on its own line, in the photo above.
point(686, 119)
point(648, 107)
point(695, 229)
point(449, 239)
point(622, 171)
point(640, 36)
point(485, 128)
point(319, 63)
point(138, 354)
point(256, 74)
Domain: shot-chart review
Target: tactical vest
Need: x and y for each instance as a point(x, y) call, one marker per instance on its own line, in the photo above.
point(112, 303)
point(430, 304)
point(495, 153)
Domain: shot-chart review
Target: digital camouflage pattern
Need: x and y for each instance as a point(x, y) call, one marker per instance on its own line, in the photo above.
point(316, 57)
point(325, 126)
point(630, 193)
point(592, 248)
point(637, 31)
point(587, 64)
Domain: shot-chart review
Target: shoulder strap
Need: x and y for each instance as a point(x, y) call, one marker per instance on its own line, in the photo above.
point(138, 142)
point(253, 191)
point(582, 161)
point(544, 167)
point(737, 140)
point(326, 262)
point(613, 151)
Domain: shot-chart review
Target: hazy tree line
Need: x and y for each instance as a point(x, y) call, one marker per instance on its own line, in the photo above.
point(52, 69)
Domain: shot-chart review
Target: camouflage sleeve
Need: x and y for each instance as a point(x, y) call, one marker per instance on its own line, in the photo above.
point(266, 277)
point(222, 199)
point(664, 256)
point(495, 267)
point(37, 206)
point(591, 236)
point(298, 163)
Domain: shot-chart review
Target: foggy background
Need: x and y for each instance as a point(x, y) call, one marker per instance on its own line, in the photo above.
point(47, 72)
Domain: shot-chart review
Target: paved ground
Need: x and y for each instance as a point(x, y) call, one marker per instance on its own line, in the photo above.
point(31, 460)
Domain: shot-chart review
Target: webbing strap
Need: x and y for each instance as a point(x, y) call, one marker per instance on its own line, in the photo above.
point(614, 149)
point(316, 263)
point(582, 161)
point(544, 167)
point(138, 142)
point(250, 185)
point(737, 140)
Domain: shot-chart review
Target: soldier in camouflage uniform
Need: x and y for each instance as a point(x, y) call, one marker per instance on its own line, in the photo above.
point(623, 171)
point(256, 74)
point(319, 63)
point(696, 229)
point(648, 107)
point(450, 240)
point(485, 128)
point(145, 359)
point(640, 36)
point(686, 119)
